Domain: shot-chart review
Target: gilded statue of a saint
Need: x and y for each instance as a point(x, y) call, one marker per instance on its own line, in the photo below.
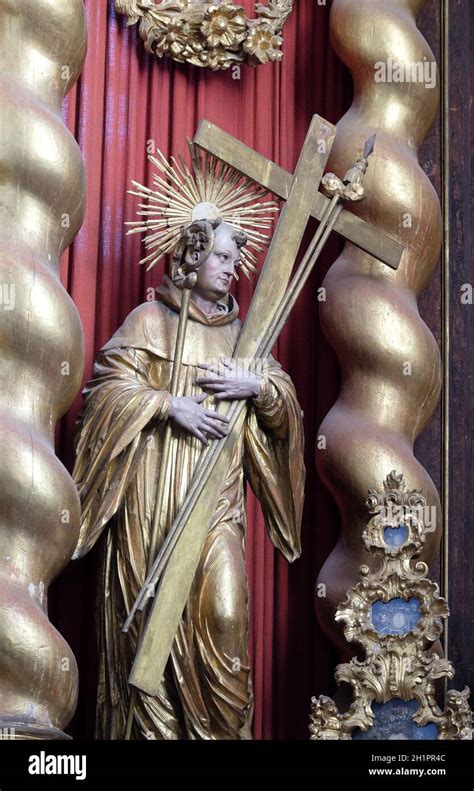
point(206, 691)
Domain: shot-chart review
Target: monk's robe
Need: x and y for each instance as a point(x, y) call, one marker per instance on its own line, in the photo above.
point(206, 691)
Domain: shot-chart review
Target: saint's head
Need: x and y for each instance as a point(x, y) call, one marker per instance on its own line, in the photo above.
point(216, 274)
point(209, 253)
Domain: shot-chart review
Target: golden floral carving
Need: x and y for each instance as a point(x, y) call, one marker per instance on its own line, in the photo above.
point(224, 25)
point(263, 45)
point(209, 34)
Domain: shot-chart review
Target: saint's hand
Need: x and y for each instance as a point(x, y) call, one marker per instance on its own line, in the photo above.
point(229, 380)
point(187, 413)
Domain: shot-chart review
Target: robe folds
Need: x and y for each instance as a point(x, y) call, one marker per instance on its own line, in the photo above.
point(206, 691)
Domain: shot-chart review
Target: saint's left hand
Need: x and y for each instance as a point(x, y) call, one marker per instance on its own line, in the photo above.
point(229, 380)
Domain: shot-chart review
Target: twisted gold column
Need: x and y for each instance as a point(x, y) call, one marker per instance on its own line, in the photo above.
point(390, 363)
point(43, 45)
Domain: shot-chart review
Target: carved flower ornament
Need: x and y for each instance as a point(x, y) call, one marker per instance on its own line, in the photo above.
point(214, 34)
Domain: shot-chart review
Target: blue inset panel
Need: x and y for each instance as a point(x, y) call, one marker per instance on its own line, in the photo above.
point(395, 536)
point(395, 617)
point(394, 721)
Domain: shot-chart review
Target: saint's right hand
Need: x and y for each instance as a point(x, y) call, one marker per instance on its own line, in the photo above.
point(187, 413)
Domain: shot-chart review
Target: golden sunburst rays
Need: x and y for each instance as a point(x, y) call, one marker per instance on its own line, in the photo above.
point(209, 190)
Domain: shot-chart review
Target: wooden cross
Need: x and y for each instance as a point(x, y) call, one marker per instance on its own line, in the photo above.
point(302, 201)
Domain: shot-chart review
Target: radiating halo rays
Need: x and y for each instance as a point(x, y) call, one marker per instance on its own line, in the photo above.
point(210, 190)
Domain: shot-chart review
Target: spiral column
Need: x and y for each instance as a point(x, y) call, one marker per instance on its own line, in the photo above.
point(390, 362)
point(43, 45)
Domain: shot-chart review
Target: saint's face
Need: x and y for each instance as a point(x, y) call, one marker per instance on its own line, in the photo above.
point(215, 276)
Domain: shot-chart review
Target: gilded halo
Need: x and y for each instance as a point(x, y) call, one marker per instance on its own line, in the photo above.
point(209, 190)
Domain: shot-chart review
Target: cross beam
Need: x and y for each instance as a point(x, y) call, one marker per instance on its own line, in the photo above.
point(278, 181)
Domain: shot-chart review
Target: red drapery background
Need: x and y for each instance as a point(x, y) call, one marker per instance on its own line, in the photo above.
point(124, 100)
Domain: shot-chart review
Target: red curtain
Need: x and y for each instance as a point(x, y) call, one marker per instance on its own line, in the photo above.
point(125, 102)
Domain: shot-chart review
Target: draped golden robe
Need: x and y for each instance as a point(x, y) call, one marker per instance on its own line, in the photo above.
point(206, 692)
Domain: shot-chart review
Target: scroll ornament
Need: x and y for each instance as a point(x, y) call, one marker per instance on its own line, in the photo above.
point(394, 613)
point(214, 34)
